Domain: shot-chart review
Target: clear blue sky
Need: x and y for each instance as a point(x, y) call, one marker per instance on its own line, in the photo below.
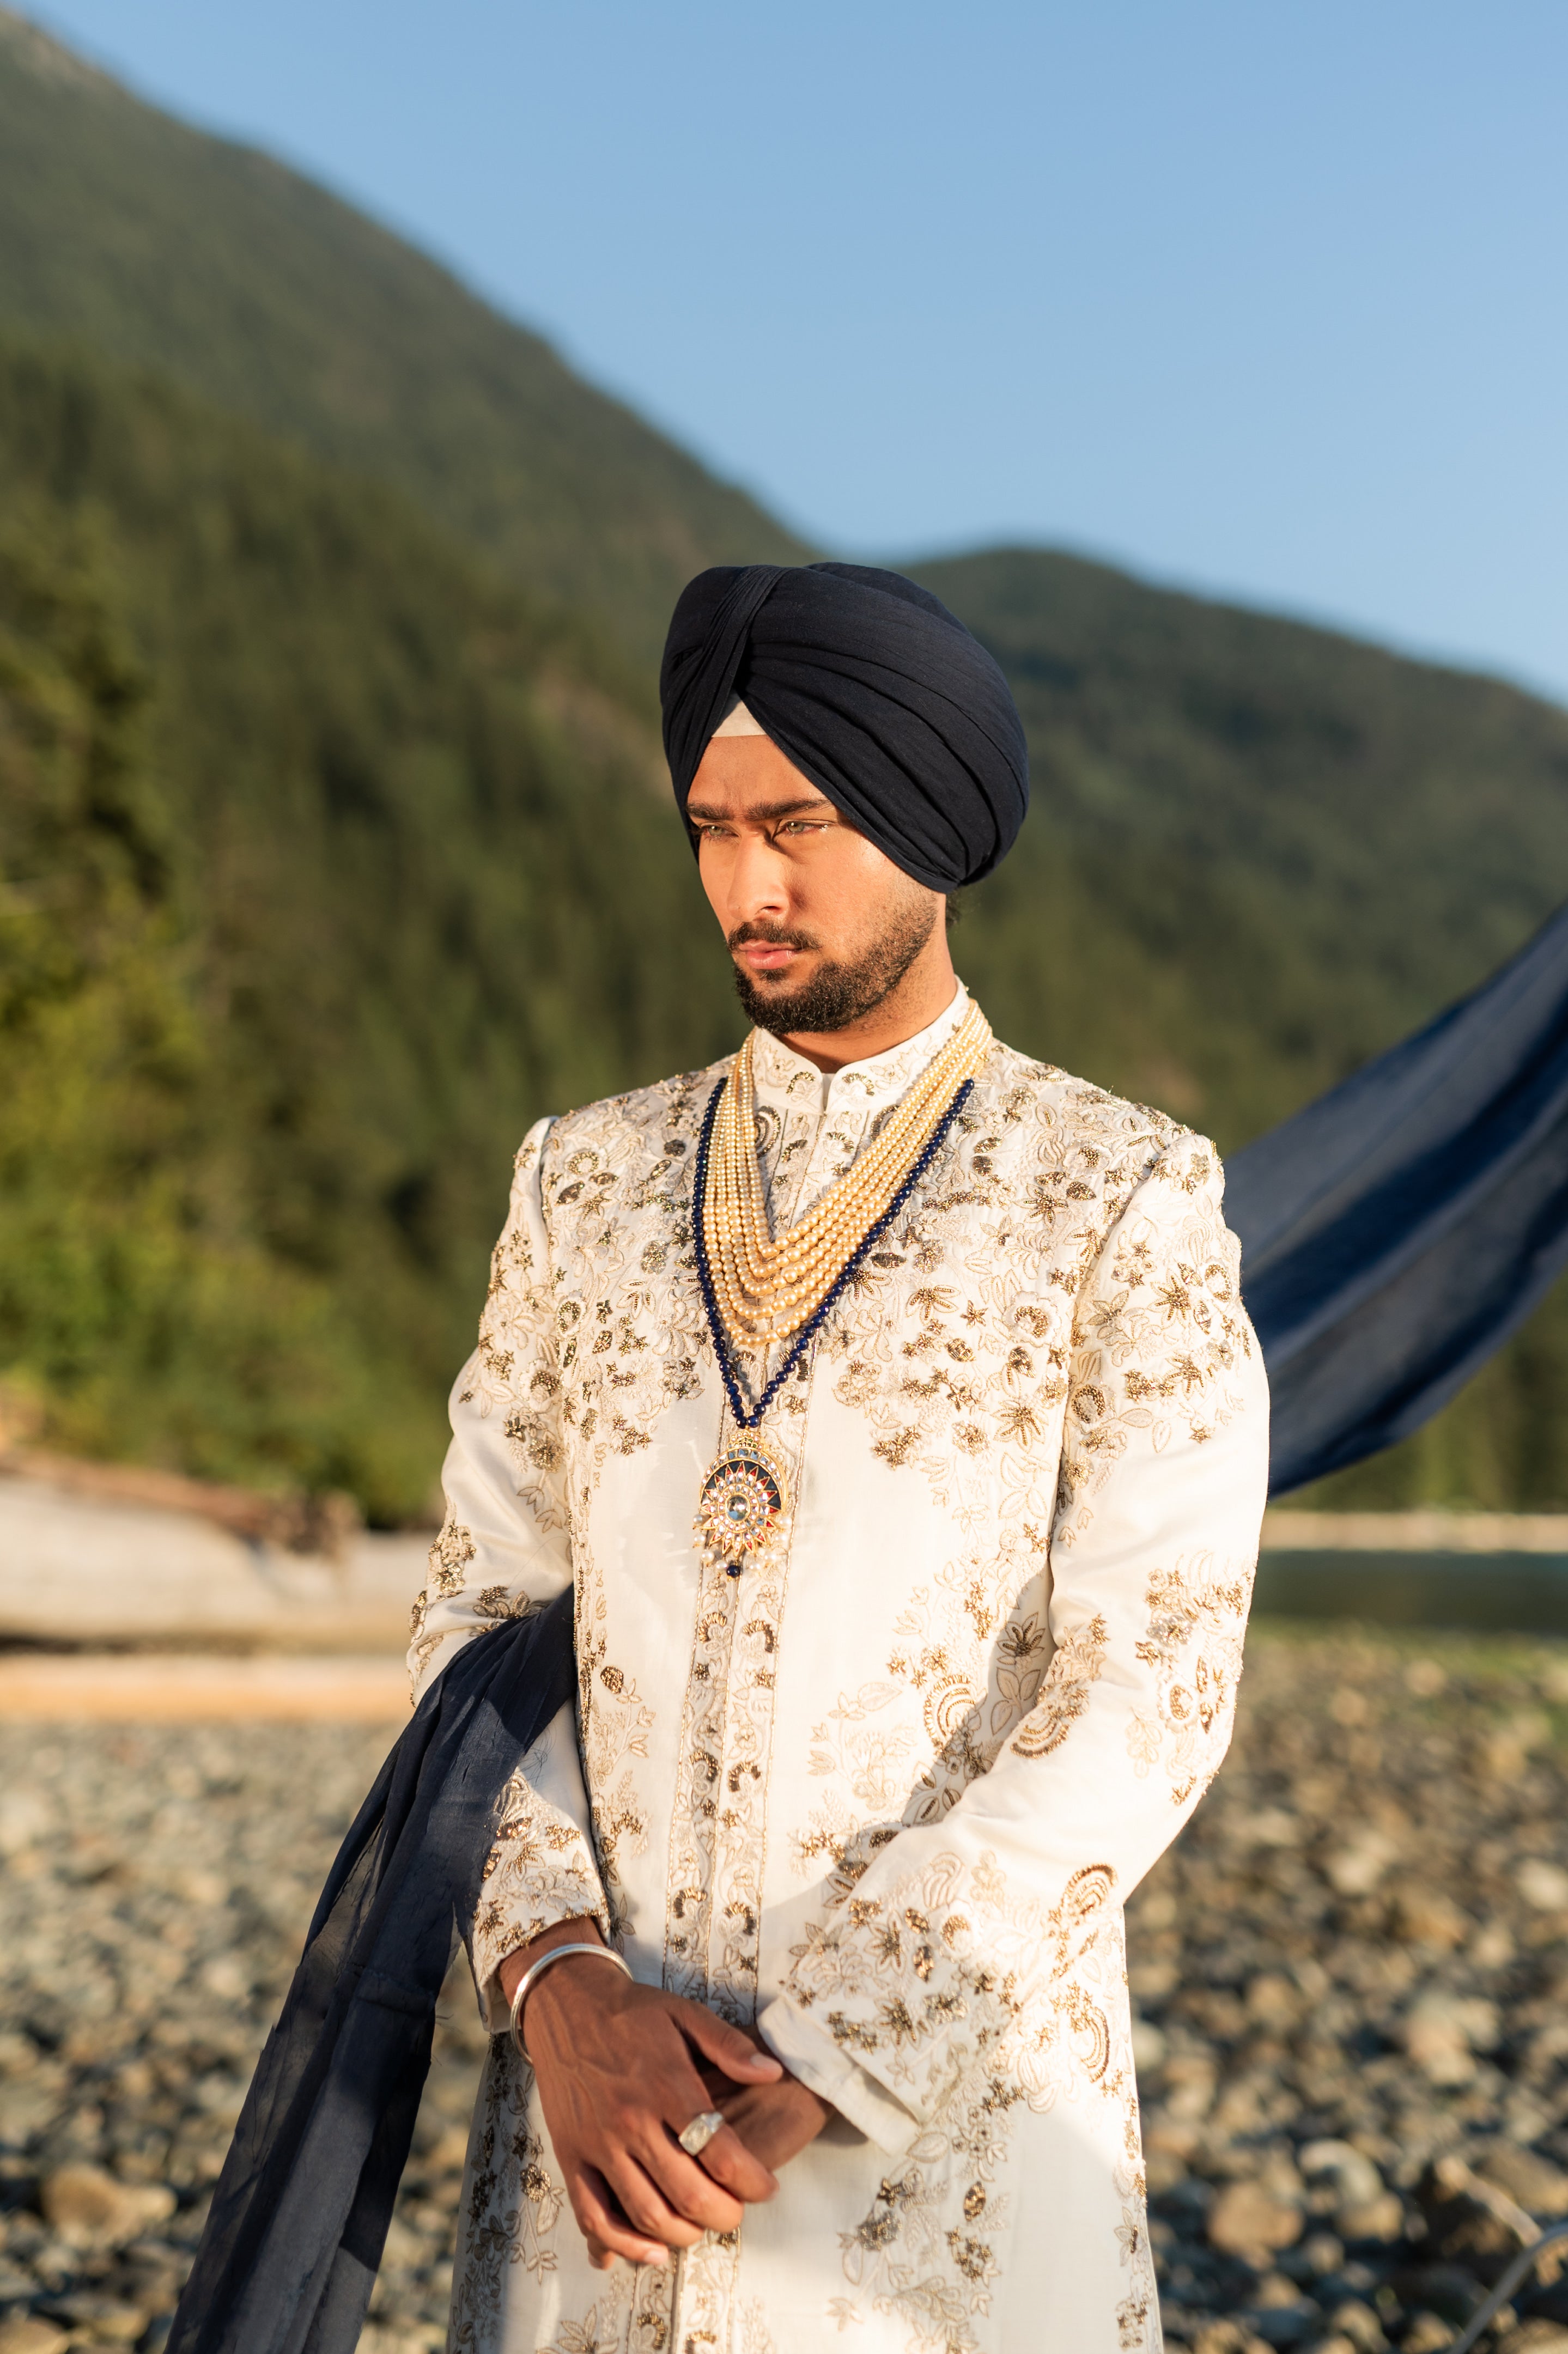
point(1267, 296)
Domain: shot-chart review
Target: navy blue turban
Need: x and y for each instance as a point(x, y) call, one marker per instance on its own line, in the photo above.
point(872, 689)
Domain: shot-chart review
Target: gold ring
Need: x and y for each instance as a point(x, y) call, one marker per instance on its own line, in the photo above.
point(700, 2132)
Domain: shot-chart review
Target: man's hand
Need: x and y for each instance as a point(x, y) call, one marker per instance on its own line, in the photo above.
point(618, 2070)
point(774, 2121)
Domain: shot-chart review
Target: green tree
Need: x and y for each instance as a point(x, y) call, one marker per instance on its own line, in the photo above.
point(136, 1306)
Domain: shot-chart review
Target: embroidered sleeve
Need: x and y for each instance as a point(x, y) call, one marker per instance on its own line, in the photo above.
point(504, 1549)
point(974, 1940)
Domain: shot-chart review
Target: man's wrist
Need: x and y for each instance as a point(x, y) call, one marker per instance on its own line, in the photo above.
point(584, 1931)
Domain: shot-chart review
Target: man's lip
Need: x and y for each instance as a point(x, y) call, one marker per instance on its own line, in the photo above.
point(766, 956)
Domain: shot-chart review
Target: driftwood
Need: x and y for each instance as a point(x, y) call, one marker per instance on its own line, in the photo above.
point(323, 1525)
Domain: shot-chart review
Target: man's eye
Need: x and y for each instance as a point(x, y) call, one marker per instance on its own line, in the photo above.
point(802, 825)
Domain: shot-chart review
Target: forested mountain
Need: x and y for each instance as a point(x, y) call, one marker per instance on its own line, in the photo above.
point(335, 843)
point(329, 862)
point(1300, 846)
point(136, 237)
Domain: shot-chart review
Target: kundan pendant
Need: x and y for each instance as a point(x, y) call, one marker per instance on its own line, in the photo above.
point(741, 1508)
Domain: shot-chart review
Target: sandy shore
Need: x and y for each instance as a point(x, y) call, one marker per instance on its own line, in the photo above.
point(193, 1688)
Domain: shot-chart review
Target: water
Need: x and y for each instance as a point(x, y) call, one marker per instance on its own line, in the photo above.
point(1517, 1592)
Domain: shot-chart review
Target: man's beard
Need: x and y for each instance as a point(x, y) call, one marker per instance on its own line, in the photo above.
point(836, 994)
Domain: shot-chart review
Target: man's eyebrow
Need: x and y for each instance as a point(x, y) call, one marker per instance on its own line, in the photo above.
point(703, 813)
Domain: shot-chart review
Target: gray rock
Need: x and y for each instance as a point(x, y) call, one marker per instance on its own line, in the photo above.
point(1427, 2333)
point(90, 2208)
point(1358, 2326)
point(145, 1942)
point(1380, 2219)
point(1356, 2180)
point(1249, 2222)
point(1541, 2187)
point(29, 2333)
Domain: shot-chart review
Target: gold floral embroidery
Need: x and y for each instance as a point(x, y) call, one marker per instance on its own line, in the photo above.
point(1194, 1643)
point(1075, 1666)
point(423, 1650)
point(512, 1369)
point(631, 2315)
point(616, 1723)
point(1138, 2313)
point(512, 2204)
point(1158, 1357)
point(927, 2248)
point(966, 1376)
point(628, 1336)
point(449, 1556)
point(539, 1870)
point(974, 1645)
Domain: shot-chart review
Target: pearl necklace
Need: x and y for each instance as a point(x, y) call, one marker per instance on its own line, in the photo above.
point(772, 1290)
point(769, 1288)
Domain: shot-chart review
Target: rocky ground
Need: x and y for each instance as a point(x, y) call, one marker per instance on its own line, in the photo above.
point(1352, 1978)
point(156, 1884)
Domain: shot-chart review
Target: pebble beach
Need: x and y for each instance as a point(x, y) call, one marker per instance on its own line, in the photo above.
point(1351, 1978)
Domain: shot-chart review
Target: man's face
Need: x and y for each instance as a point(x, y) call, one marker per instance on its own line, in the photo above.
point(821, 925)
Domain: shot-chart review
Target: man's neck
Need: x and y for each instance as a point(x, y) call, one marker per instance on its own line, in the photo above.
point(926, 989)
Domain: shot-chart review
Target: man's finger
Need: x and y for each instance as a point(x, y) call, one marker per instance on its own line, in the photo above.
point(645, 2205)
point(739, 2170)
point(685, 2186)
point(726, 2047)
point(605, 2231)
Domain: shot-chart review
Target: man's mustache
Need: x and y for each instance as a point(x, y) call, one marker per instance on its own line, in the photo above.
point(772, 936)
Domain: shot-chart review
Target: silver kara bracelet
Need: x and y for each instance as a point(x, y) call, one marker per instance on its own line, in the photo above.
point(535, 1971)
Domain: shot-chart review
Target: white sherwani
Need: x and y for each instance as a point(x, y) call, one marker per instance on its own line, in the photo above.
point(888, 1798)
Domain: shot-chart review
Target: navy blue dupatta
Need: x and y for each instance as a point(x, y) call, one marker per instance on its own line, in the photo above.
point(293, 2240)
point(1399, 1230)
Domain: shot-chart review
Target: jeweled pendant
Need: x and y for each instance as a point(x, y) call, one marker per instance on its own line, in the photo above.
point(741, 1508)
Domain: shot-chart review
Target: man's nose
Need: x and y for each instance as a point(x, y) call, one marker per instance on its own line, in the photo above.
point(759, 881)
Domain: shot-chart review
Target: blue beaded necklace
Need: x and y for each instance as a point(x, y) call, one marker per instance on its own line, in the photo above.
point(750, 1418)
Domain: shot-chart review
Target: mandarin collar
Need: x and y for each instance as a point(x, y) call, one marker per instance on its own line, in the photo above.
point(785, 1079)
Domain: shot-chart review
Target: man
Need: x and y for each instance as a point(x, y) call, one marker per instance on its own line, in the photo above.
point(888, 1400)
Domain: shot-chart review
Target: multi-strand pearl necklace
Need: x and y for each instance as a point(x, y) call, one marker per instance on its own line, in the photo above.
point(757, 1290)
point(769, 1288)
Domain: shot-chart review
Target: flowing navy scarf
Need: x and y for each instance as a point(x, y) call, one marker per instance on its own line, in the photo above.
point(1397, 1231)
point(1395, 1234)
point(293, 2241)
